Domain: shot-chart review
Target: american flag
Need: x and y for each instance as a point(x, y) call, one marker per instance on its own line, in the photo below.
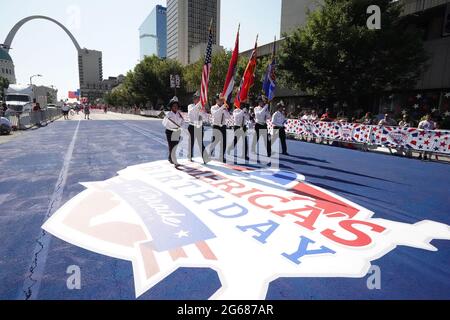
point(206, 70)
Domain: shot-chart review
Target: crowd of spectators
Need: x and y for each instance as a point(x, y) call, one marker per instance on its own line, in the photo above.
point(428, 121)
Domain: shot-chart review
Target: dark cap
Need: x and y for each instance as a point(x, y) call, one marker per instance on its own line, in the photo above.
point(219, 96)
point(280, 104)
point(261, 98)
point(196, 95)
point(173, 101)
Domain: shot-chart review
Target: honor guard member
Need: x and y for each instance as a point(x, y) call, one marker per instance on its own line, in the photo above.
point(173, 122)
point(195, 128)
point(240, 119)
point(262, 114)
point(219, 114)
point(278, 121)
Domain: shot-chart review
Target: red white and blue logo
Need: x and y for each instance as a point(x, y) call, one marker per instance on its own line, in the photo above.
point(250, 225)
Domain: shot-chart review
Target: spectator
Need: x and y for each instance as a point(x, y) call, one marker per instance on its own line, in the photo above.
point(368, 119)
point(37, 113)
point(65, 111)
point(313, 116)
point(426, 124)
point(3, 109)
point(405, 122)
point(326, 116)
point(306, 116)
point(87, 112)
point(387, 121)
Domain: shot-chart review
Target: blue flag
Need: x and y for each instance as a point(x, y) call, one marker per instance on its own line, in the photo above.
point(269, 84)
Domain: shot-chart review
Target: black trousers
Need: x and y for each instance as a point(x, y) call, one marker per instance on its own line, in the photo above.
point(196, 134)
point(282, 135)
point(219, 137)
point(173, 138)
point(261, 131)
point(240, 133)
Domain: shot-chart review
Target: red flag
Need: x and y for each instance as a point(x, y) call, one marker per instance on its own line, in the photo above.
point(247, 79)
point(229, 82)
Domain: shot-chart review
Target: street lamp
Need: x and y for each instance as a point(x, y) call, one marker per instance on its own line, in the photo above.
point(31, 78)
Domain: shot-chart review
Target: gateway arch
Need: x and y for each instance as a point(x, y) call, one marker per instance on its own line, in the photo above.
point(90, 65)
point(10, 37)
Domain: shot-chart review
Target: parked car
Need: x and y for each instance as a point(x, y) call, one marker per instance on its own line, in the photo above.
point(5, 126)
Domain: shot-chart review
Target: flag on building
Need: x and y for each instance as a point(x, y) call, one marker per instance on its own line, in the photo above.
point(269, 84)
point(248, 79)
point(74, 94)
point(229, 82)
point(206, 69)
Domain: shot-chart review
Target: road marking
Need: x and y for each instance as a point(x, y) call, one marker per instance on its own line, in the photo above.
point(32, 283)
point(146, 133)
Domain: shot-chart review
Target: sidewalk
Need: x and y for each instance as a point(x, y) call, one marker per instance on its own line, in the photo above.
point(13, 135)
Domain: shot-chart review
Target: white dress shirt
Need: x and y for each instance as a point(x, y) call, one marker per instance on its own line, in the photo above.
point(195, 115)
point(240, 117)
point(278, 119)
point(219, 115)
point(426, 125)
point(173, 121)
point(262, 114)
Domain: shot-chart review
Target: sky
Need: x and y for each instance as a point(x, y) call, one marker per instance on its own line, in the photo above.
point(111, 26)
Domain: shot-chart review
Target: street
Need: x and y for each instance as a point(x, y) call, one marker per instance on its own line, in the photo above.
point(42, 169)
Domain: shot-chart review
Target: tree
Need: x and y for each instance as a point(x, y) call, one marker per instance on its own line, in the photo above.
point(148, 83)
point(193, 73)
point(336, 56)
point(4, 84)
point(150, 80)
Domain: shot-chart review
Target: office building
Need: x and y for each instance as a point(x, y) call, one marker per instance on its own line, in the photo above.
point(188, 24)
point(294, 13)
point(90, 66)
point(153, 34)
point(90, 71)
point(96, 90)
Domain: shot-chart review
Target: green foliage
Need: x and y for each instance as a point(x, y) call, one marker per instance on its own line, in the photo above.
point(336, 56)
point(149, 82)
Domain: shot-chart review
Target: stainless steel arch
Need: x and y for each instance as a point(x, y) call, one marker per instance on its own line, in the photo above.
point(10, 37)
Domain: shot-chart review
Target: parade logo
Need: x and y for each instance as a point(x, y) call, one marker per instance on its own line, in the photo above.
point(250, 225)
point(347, 132)
point(399, 137)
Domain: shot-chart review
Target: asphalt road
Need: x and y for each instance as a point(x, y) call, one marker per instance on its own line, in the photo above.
point(42, 169)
